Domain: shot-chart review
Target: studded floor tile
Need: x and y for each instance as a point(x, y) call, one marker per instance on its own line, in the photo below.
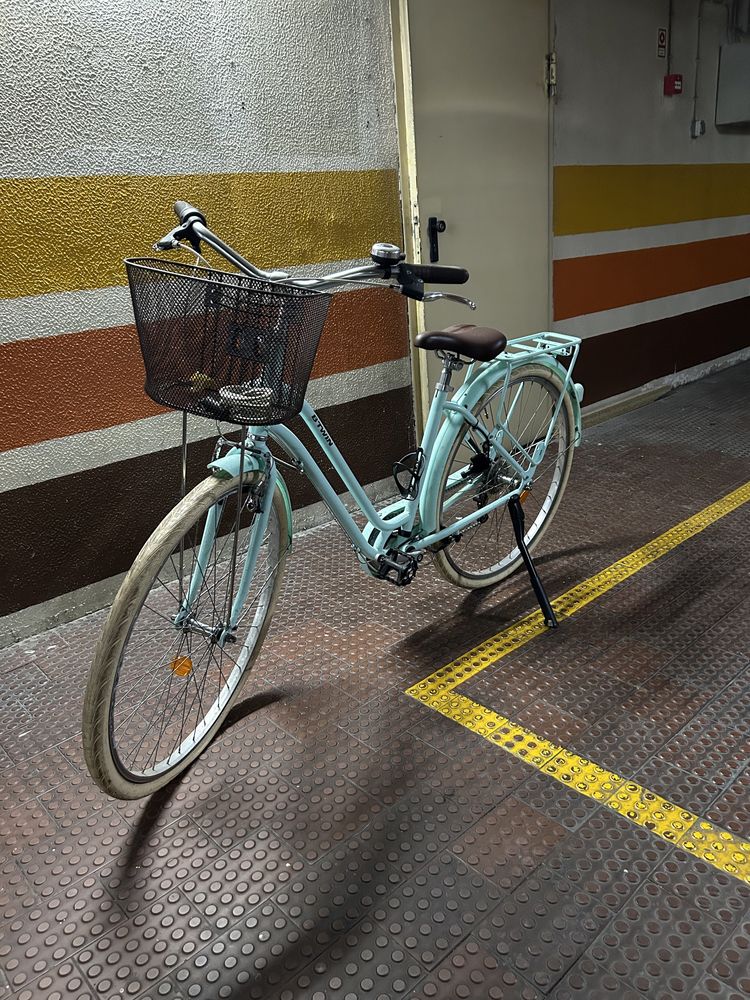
point(340, 839)
point(472, 973)
point(508, 843)
point(437, 908)
point(544, 927)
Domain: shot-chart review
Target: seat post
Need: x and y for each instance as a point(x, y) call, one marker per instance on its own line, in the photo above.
point(451, 363)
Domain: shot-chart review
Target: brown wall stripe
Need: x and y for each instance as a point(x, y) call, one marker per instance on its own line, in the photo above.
point(78, 529)
point(609, 280)
point(86, 381)
point(625, 359)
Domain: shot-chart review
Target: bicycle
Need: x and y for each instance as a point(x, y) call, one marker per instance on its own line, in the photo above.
point(190, 617)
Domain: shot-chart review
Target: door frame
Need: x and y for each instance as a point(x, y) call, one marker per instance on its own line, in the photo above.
point(410, 217)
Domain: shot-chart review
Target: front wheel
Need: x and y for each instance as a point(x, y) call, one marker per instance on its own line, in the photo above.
point(474, 476)
point(167, 669)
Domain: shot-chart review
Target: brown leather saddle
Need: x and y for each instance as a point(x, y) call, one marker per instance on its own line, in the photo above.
point(480, 343)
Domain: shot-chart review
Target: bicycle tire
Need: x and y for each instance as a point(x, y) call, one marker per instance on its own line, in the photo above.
point(102, 756)
point(449, 559)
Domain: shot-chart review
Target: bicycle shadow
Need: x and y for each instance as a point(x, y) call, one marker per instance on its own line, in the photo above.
point(152, 815)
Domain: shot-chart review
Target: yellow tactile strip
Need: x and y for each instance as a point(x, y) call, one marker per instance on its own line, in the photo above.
point(704, 840)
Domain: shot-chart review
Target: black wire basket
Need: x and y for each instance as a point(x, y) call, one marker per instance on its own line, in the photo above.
point(220, 344)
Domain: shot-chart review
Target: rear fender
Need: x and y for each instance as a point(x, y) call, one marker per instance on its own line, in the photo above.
point(468, 396)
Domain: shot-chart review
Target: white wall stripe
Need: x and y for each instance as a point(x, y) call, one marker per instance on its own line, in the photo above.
point(594, 324)
point(63, 456)
point(70, 312)
point(622, 240)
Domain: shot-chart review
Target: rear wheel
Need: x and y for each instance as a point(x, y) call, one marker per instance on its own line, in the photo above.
point(486, 552)
point(162, 682)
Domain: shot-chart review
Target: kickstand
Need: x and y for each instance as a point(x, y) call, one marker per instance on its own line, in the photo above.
point(517, 517)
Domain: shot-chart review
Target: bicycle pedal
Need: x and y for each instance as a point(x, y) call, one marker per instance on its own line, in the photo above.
point(399, 569)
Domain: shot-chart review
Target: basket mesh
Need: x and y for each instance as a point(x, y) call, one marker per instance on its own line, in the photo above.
point(224, 345)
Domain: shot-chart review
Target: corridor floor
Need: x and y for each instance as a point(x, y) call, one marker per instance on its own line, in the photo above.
point(343, 839)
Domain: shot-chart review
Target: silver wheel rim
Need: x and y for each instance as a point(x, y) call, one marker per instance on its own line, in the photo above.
point(542, 496)
point(144, 743)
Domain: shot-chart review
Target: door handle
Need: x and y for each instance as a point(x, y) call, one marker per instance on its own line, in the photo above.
point(434, 226)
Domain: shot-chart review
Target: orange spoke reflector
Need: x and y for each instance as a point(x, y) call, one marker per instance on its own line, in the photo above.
point(524, 494)
point(181, 665)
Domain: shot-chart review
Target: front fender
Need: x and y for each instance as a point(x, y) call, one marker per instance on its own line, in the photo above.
point(468, 395)
point(228, 467)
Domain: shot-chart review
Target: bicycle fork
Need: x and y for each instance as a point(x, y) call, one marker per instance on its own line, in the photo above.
point(225, 631)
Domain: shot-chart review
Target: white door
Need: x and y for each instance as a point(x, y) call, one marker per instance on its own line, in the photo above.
point(482, 132)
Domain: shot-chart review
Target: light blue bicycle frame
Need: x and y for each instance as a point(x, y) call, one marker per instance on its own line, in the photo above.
point(406, 526)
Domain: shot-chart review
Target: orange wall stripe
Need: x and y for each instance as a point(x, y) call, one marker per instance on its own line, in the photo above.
point(606, 281)
point(94, 379)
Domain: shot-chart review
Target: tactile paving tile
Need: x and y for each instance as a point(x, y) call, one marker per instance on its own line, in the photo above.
point(61, 858)
point(311, 816)
point(665, 701)
point(720, 895)
point(732, 808)
point(331, 896)
point(365, 962)
point(660, 942)
point(588, 980)
point(508, 843)
point(551, 722)
point(147, 868)
point(64, 982)
point(438, 907)
point(21, 782)
point(620, 742)
point(472, 973)
point(680, 787)
point(560, 803)
point(710, 752)
point(732, 964)
point(708, 669)
point(15, 891)
point(634, 661)
point(249, 960)
point(608, 857)
point(140, 951)
point(308, 714)
point(234, 884)
point(51, 930)
point(731, 707)
point(508, 688)
point(543, 928)
point(382, 718)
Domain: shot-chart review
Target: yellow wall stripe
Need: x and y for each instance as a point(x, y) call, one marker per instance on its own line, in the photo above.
point(641, 806)
point(497, 646)
point(591, 199)
point(66, 233)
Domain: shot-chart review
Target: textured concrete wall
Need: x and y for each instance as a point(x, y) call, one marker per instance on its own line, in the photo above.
point(277, 118)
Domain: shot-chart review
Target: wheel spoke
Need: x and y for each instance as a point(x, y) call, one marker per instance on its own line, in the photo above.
point(487, 550)
point(175, 678)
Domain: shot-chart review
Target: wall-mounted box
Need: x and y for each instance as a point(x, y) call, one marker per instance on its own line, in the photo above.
point(733, 86)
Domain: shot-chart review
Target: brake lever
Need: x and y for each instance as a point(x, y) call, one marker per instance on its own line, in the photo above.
point(434, 296)
point(171, 241)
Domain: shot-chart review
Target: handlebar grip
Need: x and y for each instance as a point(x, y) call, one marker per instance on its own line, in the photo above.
point(437, 274)
point(187, 213)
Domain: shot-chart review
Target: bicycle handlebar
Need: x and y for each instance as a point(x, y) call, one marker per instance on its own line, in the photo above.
point(186, 213)
point(437, 274)
point(411, 277)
